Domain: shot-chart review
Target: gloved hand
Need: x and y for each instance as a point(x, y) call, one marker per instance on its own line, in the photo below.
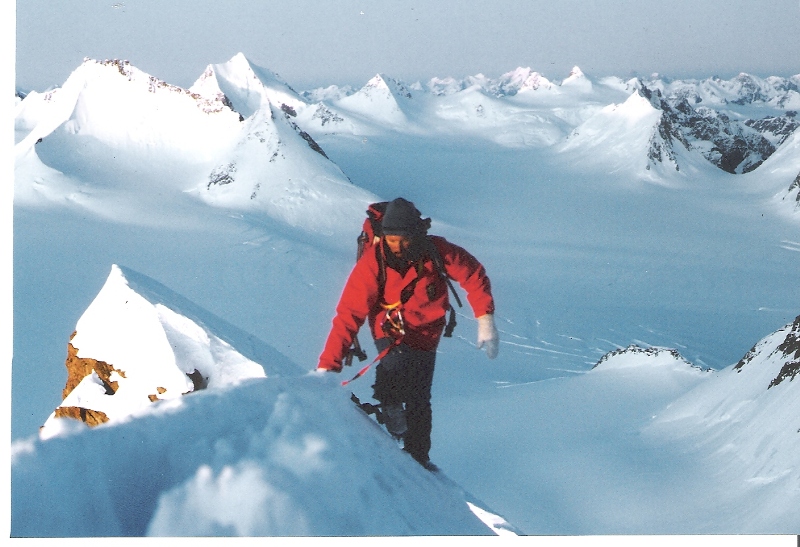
point(330, 367)
point(487, 335)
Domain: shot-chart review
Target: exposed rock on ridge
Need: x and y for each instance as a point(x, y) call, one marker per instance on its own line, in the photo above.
point(787, 352)
point(79, 368)
point(795, 187)
point(790, 349)
point(637, 355)
point(732, 146)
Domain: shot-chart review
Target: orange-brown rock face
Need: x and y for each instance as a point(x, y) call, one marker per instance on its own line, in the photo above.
point(153, 397)
point(91, 417)
point(79, 368)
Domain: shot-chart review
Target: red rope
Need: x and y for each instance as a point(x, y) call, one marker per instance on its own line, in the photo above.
point(380, 356)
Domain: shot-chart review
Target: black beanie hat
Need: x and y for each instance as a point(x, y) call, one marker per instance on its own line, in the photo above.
point(403, 218)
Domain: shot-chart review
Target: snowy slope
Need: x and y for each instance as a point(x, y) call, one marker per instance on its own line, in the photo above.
point(244, 454)
point(743, 423)
point(783, 167)
point(474, 112)
point(607, 138)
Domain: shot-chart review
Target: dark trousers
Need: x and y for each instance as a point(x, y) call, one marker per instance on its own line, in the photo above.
point(405, 375)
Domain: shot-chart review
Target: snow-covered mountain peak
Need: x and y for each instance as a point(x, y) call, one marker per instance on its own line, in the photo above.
point(105, 75)
point(626, 136)
point(138, 342)
point(277, 168)
point(646, 358)
point(329, 93)
point(380, 84)
point(376, 83)
point(246, 86)
point(520, 80)
point(116, 103)
point(379, 100)
point(577, 81)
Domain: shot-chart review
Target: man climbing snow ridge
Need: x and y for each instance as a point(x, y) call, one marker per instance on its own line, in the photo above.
point(400, 285)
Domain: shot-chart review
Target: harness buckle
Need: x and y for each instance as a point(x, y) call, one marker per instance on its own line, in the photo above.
point(393, 324)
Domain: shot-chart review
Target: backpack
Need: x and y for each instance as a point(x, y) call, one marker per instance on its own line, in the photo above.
point(371, 236)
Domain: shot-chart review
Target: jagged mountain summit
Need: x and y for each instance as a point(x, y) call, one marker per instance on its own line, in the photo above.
point(245, 86)
point(731, 145)
point(742, 90)
point(114, 129)
point(624, 136)
point(199, 429)
point(262, 158)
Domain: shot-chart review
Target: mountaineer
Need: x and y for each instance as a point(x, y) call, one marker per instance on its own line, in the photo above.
point(400, 286)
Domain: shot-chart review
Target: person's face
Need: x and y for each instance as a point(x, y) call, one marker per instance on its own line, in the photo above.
point(398, 245)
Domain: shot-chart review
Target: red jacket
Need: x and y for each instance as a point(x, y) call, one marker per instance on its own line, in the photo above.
point(424, 312)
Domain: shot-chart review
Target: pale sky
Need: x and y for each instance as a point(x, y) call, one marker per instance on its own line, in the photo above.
point(311, 43)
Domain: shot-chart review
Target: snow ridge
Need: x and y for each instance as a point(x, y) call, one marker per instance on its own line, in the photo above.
point(637, 356)
point(283, 462)
point(737, 413)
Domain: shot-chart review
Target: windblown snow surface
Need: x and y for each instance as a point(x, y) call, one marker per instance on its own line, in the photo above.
point(212, 229)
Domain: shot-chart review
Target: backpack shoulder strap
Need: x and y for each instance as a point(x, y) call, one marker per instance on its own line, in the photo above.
point(381, 269)
point(438, 264)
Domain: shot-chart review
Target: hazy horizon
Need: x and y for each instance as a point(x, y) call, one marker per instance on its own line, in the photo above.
point(313, 43)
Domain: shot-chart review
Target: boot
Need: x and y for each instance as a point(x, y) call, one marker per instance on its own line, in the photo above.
point(394, 416)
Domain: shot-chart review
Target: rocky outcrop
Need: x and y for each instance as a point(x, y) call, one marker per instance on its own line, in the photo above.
point(776, 128)
point(790, 350)
point(733, 146)
point(89, 417)
point(786, 352)
point(795, 187)
point(79, 368)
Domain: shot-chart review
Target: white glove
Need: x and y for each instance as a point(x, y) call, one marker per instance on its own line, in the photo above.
point(487, 335)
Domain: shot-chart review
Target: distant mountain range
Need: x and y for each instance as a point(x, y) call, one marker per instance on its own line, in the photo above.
point(241, 120)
